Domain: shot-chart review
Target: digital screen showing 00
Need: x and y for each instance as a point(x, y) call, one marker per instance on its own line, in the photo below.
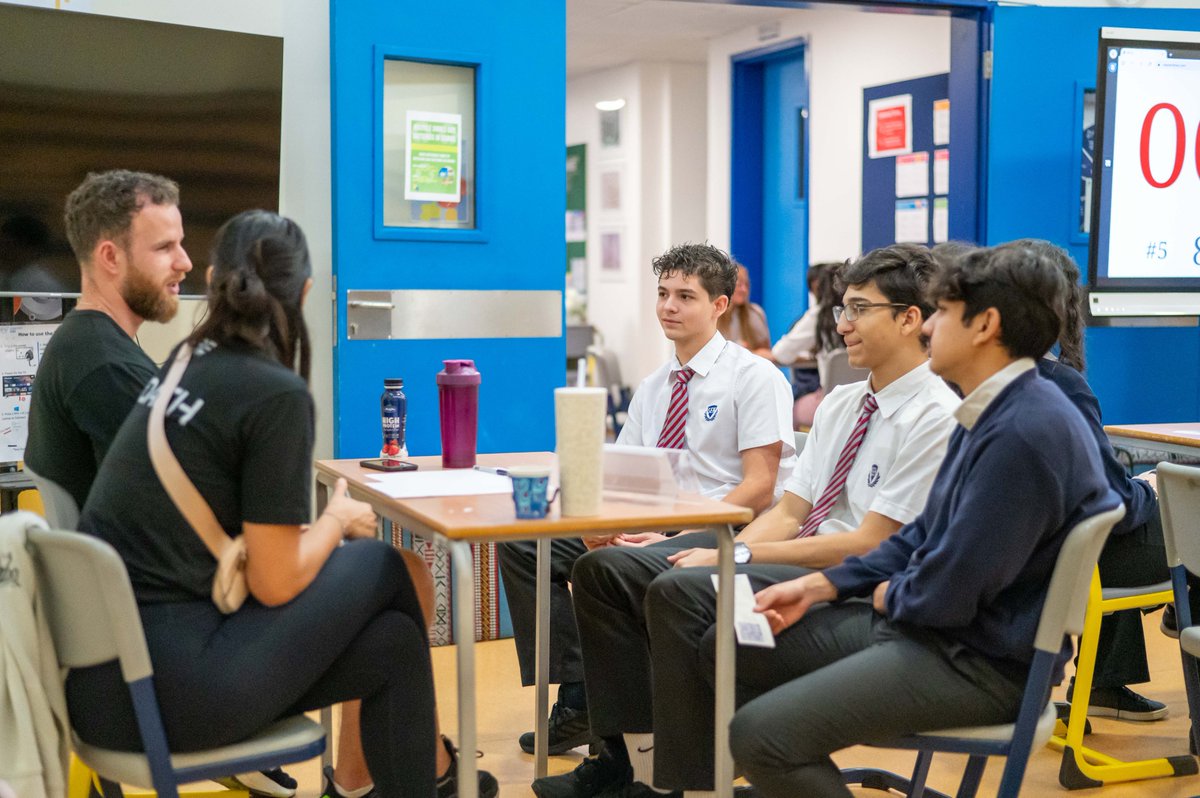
point(1146, 228)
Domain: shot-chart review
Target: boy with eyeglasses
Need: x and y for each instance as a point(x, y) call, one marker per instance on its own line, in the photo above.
point(871, 457)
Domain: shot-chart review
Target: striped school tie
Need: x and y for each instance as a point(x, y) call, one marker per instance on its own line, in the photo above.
point(674, 428)
point(837, 482)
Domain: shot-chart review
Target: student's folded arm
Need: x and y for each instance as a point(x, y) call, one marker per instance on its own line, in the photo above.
point(823, 551)
point(1000, 517)
point(858, 576)
point(760, 468)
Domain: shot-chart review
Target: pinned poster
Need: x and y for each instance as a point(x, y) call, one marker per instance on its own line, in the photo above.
point(889, 126)
point(941, 220)
point(434, 163)
point(941, 122)
point(912, 175)
point(912, 221)
point(941, 172)
point(21, 347)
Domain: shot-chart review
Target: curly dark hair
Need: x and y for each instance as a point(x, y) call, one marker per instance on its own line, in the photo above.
point(104, 204)
point(714, 268)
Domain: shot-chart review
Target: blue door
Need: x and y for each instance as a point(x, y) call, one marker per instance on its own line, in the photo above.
point(463, 287)
point(770, 181)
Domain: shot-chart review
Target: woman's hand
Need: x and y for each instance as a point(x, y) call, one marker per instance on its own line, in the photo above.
point(357, 518)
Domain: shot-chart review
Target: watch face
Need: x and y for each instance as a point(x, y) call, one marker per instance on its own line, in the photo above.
point(741, 553)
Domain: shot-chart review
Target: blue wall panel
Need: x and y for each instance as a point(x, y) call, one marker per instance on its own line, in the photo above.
point(1042, 58)
point(519, 47)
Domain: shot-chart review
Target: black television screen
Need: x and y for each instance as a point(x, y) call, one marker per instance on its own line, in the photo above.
point(1144, 254)
point(83, 92)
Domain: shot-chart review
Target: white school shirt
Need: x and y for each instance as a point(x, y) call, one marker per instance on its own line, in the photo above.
point(736, 401)
point(899, 457)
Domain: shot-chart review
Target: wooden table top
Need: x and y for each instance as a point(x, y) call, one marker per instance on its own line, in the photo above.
point(1180, 433)
point(493, 517)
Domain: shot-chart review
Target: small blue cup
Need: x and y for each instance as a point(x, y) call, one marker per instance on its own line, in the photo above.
point(531, 485)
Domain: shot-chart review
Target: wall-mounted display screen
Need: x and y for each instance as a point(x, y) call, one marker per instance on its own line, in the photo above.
point(1144, 258)
point(83, 93)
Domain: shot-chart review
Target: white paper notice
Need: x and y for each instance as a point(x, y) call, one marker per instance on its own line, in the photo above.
point(912, 175)
point(941, 122)
point(751, 627)
point(21, 347)
point(941, 172)
point(912, 221)
point(451, 482)
point(941, 220)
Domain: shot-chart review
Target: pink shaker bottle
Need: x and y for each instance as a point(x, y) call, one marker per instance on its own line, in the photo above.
point(458, 402)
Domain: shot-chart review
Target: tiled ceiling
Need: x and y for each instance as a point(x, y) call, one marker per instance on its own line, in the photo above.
point(609, 33)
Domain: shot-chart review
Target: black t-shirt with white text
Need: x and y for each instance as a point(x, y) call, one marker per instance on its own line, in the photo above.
point(88, 379)
point(241, 425)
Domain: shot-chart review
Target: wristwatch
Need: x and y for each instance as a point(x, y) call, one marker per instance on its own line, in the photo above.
point(741, 553)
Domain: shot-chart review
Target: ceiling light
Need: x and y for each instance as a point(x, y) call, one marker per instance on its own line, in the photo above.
point(610, 105)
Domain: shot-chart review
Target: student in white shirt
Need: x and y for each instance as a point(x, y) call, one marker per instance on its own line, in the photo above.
point(885, 487)
point(736, 429)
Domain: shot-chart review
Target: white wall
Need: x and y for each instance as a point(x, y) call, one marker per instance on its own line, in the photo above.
point(305, 169)
point(661, 161)
point(847, 51)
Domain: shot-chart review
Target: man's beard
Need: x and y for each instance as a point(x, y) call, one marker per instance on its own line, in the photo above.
point(148, 300)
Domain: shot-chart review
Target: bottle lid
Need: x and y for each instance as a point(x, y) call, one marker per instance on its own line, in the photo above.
point(458, 372)
point(393, 383)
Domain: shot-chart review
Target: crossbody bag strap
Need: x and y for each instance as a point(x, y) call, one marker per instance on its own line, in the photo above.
point(171, 474)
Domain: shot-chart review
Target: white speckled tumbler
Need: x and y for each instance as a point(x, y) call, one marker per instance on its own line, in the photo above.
point(579, 427)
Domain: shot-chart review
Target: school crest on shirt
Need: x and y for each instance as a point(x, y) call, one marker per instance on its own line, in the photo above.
point(710, 412)
point(873, 476)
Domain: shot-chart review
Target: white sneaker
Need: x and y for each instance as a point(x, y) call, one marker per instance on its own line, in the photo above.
point(257, 784)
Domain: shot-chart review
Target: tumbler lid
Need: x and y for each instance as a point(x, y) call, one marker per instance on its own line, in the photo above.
point(458, 372)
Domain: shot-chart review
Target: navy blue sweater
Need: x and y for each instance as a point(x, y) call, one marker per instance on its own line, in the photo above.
point(975, 565)
point(1141, 504)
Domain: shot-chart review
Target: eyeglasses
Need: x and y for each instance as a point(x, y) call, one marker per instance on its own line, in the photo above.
point(853, 311)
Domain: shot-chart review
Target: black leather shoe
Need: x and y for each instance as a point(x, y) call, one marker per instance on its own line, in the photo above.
point(568, 728)
point(1169, 623)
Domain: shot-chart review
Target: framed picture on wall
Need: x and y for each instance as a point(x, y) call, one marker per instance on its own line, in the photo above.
point(612, 258)
point(610, 188)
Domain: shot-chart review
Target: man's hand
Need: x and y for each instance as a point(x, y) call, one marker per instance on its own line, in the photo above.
point(691, 558)
point(634, 539)
point(878, 598)
point(598, 541)
point(1151, 477)
point(787, 602)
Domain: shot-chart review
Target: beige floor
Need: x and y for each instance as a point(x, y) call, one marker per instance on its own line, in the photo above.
point(506, 710)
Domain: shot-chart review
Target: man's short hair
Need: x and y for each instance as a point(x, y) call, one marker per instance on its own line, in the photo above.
point(715, 270)
point(901, 272)
point(104, 204)
point(1024, 283)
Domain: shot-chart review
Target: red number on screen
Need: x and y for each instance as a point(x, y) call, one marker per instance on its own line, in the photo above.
point(1180, 145)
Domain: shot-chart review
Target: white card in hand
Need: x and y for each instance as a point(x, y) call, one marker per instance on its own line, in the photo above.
point(750, 627)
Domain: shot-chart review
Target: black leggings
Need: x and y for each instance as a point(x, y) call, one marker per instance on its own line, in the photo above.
point(356, 632)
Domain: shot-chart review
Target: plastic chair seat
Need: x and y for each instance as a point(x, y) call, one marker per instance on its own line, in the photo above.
point(296, 735)
point(1001, 733)
point(1189, 640)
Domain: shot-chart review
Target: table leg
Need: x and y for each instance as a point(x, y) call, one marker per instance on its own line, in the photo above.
point(541, 740)
point(726, 664)
point(322, 496)
point(464, 641)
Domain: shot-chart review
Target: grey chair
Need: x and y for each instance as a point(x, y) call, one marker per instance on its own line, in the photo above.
point(94, 619)
point(1179, 503)
point(836, 370)
point(1062, 613)
point(60, 507)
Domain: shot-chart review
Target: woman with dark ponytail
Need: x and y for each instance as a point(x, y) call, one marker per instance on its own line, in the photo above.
point(332, 615)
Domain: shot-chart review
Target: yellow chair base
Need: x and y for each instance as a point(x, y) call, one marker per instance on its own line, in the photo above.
point(1082, 766)
point(82, 779)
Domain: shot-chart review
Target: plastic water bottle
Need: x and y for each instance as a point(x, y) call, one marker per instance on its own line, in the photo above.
point(393, 407)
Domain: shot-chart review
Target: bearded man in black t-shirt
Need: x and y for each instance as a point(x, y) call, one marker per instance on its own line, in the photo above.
point(127, 234)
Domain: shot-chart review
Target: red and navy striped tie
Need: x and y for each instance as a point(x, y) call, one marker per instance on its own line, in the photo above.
point(837, 482)
point(674, 429)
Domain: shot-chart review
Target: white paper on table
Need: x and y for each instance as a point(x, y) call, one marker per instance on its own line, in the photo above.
point(912, 221)
point(750, 627)
point(912, 175)
point(941, 122)
point(451, 482)
point(941, 172)
point(941, 220)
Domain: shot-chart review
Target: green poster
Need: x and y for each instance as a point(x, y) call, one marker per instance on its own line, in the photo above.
point(434, 156)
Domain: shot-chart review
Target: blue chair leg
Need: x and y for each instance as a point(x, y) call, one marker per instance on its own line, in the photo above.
point(971, 777)
point(920, 774)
